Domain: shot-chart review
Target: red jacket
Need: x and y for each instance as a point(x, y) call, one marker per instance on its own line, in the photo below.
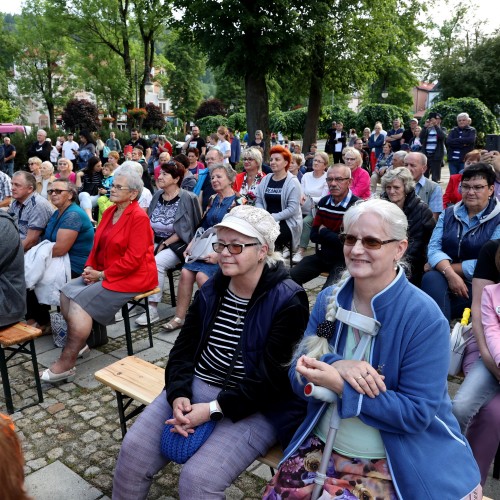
point(129, 262)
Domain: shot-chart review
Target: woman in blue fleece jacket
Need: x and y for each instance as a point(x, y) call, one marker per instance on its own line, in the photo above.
point(397, 436)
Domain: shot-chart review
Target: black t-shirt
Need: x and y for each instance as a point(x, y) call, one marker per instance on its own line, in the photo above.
point(273, 195)
point(197, 143)
point(408, 135)
point(142, 142)
point(485, 267)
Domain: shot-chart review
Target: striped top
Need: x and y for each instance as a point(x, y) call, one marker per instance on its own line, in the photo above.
point(216, 358)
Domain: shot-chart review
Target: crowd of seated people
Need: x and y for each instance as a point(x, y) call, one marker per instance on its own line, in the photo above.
point(446, 245)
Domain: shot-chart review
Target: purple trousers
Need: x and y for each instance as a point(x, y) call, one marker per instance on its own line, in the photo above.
point(483, 432)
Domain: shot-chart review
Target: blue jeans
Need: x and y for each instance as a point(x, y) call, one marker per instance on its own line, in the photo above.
point(455, 167)
point(8, 168)
point(478, 388)
point(435, 285)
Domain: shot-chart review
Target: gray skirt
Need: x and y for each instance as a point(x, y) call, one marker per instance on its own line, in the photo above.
point(98, 302)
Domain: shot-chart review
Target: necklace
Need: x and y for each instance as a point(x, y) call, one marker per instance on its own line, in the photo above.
point(167, 197)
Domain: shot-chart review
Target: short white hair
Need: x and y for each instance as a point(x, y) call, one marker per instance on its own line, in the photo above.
point(463, 115)
point(41, 131)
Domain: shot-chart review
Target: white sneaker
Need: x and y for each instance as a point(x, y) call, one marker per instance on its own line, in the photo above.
point(285, 253)
point(142, 320)
point(297, 257)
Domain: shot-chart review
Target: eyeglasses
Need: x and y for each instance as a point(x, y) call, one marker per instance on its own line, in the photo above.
point(57, 191)
point(31, 163)
point(348, 158)
point(119, 188)
point(247, 158)
point(476, 189)
point(337, 179)
point(232, 248)
point(368, 242)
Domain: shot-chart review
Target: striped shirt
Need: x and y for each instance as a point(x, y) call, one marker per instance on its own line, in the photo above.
point(218, 354)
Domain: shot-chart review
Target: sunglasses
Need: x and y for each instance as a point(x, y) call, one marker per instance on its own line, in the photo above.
point(57, 191)
point(368, 242)
point(232, 248)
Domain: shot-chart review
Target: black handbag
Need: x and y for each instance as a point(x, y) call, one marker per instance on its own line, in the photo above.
point(98, 335)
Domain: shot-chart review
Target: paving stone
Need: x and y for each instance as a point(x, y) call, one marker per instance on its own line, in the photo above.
point(55, 408)
point(55, 481)
point(234, 493)
point(142, 350)
point(55, 454)
point(48, 357)
point(85, 373)
point(37, 464)
point(44, 344)
point(90, 436)
point(169, 337)
point(87, 415)
point(92, 471)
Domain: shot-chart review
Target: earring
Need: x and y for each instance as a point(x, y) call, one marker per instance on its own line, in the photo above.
point(395, 265)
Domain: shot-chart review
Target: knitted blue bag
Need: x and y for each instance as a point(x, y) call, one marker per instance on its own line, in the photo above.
point(180, 449)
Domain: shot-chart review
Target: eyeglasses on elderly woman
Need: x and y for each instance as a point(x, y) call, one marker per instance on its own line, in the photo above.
point(232, 248)
point(368, 242)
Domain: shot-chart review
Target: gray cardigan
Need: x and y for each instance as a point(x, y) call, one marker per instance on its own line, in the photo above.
point(290, 204)
point(188, 214)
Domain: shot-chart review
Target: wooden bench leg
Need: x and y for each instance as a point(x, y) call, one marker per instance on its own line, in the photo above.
point(5, 382)
point(128, 333)
point(13, 351)
point(124, 402)
point(150, 330)
point(35, 371)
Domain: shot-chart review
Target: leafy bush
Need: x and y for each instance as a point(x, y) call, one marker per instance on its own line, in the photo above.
point(210, 107)
point(384, 113)
point(155, 119)
point(277, 122)
point(336, 113)
point(237, 121)
point(483, 120)
point(210, 124)
point(80, 114)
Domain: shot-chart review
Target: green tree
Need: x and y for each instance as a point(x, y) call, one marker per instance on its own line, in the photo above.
point(8, 114)
point(42, 73)
point(250, 39)
point(184, 88)
point(347, 44)
point(384, 113)
point(483, 120)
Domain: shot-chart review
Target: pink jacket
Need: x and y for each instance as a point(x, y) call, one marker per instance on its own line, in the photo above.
point(361, 183)
point(490, 312)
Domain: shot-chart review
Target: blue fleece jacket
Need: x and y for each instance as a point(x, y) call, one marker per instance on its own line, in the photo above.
point(427, 455)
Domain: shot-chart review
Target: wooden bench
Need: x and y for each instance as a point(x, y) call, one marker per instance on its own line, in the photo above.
point(18, 339)
point(140, 300)
point(134, 379)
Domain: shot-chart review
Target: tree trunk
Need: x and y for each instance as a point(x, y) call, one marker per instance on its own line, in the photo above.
point(315, 93)
point(257, 107)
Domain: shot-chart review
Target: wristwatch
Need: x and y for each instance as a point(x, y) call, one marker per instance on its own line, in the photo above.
point(101, 276)
point(215, 413)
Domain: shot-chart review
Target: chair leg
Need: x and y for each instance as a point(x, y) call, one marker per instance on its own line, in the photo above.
point(150, 331)
point(5, 382)
point(128, 333)
point(35, 371)
point(171, 285)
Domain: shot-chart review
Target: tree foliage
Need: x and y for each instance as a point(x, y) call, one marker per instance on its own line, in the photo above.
point(210, 107)
point(248, 39)
point(483, 120)
point(184, 87)
point(237, 121)
point(384, 113)
point(339, 114)
point(42, 73)
point(209, 124)
point(155, 119)
point(8, 113)
point(80, 114)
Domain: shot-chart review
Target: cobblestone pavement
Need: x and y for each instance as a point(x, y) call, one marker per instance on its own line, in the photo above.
point(77, 424)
